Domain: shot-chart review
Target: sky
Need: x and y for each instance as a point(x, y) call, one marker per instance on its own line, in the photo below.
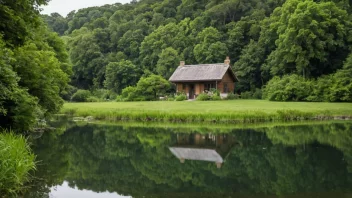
point(64, 191)
point(63, 7)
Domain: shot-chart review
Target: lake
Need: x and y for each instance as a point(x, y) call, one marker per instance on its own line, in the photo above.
point(109, 160)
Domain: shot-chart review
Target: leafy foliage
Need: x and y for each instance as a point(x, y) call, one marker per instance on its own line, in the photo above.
point(147, 88)
point(34, 66)
point(81, 96)
point(120, 75)
point(265, 39)
point(181, 97)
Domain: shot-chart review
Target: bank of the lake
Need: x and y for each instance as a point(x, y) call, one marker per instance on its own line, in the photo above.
point(16, 161)
point(210, 111)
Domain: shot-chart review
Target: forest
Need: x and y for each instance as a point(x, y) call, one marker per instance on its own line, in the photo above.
point(293, 50)
point(280, 50)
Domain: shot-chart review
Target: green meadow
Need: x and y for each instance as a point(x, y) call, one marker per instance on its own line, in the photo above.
point(210, 111)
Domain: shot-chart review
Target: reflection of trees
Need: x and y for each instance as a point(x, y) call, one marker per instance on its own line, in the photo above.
point(136, 161)
point(338, 135)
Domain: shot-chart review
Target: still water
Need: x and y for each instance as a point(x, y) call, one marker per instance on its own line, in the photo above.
point(106, 160)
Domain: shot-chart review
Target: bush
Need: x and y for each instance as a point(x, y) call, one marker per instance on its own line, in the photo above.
point(246, 95)
point(81, 96)
point(16, 160)
point(214, 91)
point(129, 94)
point(171, 99)
point(232, 96)
point(287, 88)
point(215, 97)
point(203, 97)
point(181, 97)
point(148, 88)
point(257, 94)
point(93, 99)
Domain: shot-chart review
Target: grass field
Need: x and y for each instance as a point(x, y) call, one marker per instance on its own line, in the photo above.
point(199, 111)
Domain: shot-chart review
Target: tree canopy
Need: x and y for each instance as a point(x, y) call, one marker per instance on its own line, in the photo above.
point(264, 39)
point(34, 66)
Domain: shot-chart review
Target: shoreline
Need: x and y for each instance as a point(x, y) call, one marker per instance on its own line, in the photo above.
point(236, 111)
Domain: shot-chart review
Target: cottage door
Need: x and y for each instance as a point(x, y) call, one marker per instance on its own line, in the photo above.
point(191, 91)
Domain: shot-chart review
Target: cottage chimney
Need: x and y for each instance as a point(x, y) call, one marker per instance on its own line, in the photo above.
point(227, 61)
point(182, 63)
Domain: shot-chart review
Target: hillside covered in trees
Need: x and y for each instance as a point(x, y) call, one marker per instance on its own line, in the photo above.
point(289, 50)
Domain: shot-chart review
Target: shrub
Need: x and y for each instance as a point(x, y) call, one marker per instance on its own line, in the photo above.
point(181, 97)
point(148, 88)
point(203, 97)
point(93, 99)
point(16, 160)
point(287, 88)
point(232, 96)
point(257, 94)
point(129, 93)
point(214, 91)
point(246, 95)
point(171, 99)
point(215, 97)
point(81, 96)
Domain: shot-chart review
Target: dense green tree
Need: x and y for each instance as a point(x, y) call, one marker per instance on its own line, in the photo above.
point(313, 38)
point(18, 109)
point(56, 22)
point(34, 66)
point(152, 87)
point(168, 62)
point(88, 62)
point(17, 18)
point(148, 88)
point(40, 73)
point(210, 48)
point(120, 75)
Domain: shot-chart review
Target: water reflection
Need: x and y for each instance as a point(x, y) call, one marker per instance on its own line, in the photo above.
point(203, 147)
point(293, 161)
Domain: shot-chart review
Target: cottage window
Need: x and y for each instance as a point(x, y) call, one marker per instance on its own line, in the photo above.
point(208, 86)
point(226, 88)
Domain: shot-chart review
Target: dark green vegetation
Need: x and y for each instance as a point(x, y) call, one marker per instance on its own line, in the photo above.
point(34, 76)
point(306, 43)
point(280, 160)
point(16, 160)
point(34, 66)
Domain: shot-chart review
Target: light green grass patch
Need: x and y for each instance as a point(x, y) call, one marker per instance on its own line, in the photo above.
point(214, 111)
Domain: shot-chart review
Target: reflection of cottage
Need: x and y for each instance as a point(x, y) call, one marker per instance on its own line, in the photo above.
point(212, 148)
point(196, 79)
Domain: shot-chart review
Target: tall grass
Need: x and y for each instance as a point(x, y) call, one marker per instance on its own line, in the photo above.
point(235, 117)
point(16, 160)
point(239, 111)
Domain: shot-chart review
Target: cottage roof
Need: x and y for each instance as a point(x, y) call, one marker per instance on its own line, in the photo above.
point(202, 72)
point(196, 154)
